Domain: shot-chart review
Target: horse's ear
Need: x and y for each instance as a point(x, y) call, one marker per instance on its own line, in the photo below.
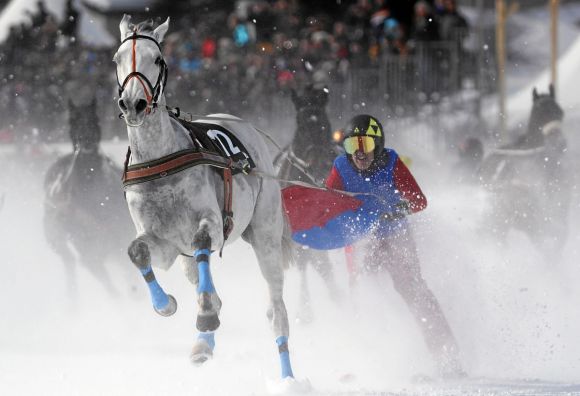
point(125, 26)
point(535, 95)
point(552, 91)
point(161, 30)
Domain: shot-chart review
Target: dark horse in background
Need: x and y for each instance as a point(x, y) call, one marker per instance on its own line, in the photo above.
point(529, 180)
point(85, 217)
point(309, 159)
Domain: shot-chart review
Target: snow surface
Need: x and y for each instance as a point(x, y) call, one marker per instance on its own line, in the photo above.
point(516, 317)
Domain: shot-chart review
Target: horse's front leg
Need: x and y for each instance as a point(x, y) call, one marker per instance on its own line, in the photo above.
point(208, 300)
point(140, 254)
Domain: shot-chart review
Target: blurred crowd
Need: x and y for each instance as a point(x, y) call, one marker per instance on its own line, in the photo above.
point(263, 49)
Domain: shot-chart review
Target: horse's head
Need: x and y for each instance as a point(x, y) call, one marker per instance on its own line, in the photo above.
point(311, 118)
point(84, 128)
point(546, 113)
point(141, 69)
point(312, 97)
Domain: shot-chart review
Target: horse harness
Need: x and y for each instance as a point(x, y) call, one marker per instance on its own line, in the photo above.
point(214, 146)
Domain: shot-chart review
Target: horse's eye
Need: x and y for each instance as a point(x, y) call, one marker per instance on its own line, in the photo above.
point(158, 60)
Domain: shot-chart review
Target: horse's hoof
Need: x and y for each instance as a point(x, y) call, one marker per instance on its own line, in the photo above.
point(169, 309)
point(201, 352)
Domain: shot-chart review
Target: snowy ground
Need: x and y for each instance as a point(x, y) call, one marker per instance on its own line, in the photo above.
point(516, 317)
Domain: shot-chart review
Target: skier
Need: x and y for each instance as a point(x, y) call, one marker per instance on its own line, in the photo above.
point(386, 192)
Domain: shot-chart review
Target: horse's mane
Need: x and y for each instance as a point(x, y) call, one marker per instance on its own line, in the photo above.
point(145, 26)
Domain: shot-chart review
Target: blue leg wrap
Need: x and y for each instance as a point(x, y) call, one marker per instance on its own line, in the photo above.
point(158, 296)
point(205, 281)
point(284, 357)
point(208, 336)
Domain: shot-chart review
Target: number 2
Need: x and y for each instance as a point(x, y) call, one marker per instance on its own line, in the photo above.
point(223, 140)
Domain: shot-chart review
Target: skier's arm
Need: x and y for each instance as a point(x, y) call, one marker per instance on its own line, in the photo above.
point(408, 188)
point(334, 180)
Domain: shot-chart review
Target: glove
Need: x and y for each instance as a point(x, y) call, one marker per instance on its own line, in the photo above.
point(403, 207)
point(401, 210)
point(392, 216)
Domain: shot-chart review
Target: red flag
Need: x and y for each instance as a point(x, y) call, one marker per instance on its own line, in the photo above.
point(310, 207)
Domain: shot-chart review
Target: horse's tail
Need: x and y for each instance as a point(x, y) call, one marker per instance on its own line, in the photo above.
point(288, 245)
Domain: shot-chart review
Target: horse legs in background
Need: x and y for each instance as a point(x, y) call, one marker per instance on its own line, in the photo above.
point(59, 244)
point(321, 262)
point(498, 220)
point(552, 232)
point(549, 237)
point(93, 258)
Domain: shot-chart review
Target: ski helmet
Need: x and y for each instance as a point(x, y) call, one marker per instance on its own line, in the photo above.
point(367, 127)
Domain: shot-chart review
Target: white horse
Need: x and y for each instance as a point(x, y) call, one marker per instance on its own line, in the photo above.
point(181, 214)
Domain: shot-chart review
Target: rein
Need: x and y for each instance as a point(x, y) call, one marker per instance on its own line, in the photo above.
point(287, 153)
point(315, 185)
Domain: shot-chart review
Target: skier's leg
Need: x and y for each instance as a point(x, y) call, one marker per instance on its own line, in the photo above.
point(399, 254)
point(323, 265)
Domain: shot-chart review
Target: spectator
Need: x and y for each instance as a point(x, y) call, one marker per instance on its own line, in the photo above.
point(426, 27)
point(275, 44)
point(340, 41)
point(69, 26)
point(357, 19)
point(40, 16)
point(263, 18)
point(452, 24)
point(393, 40)
point(470, 151)
point(208, 48)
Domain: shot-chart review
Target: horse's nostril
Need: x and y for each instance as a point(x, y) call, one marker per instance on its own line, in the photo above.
point(141, 105)
point(122, 104)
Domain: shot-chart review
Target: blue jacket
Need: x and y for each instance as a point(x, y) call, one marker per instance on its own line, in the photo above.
point(329, 220)
point(380, 182)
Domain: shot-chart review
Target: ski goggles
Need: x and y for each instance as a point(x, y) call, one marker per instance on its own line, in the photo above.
point(352, 144)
